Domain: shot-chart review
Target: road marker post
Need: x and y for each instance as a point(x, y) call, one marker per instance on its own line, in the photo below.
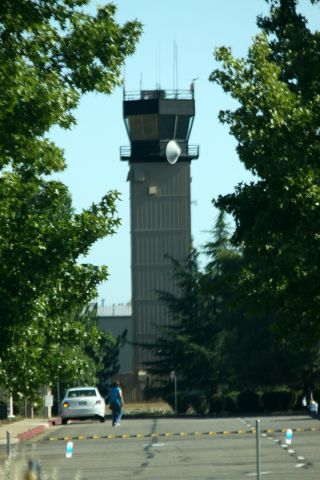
point(69, 450)
point(258, 448)
point(289, 436)
point(8, 437)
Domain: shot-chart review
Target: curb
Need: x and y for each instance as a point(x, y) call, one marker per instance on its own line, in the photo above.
point(22, 437)
point(31, 433)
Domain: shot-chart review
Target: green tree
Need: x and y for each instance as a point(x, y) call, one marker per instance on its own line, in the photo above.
point(276, 125)
point(214, 342)
point(194, 344)
point(51, 52)
point(182, 345)
point(223, 265)
point(41, 279)
point(220, 283)
point(185, 346)
point(72, 351)
point(249, 346)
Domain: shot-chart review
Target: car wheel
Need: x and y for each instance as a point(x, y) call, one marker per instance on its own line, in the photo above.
point(64, 421)
point(102, 419)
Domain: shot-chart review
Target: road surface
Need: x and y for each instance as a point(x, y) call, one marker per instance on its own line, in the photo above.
point(192, 448)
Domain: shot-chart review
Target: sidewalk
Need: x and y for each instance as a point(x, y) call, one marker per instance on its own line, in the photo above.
point(24, 429)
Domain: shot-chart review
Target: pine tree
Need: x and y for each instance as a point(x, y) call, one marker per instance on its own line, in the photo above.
point(193, 344)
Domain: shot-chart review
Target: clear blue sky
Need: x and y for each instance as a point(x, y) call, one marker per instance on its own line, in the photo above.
point(92, 147)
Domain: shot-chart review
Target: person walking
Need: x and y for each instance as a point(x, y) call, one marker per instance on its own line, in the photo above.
point(116, 403)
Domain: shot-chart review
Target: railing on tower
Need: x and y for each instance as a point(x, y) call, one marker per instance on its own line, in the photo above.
point(159, 94)
point(192, 151)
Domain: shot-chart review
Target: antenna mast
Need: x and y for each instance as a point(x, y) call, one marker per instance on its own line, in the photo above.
point(158, 67)
point(175, 66)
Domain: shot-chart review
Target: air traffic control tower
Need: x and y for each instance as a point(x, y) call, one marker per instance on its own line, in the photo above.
point(158, 123)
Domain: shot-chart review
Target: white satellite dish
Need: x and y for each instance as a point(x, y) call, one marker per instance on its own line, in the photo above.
point(173, 152)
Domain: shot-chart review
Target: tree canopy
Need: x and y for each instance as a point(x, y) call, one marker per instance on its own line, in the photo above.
point(276, 126)
point(51, 52)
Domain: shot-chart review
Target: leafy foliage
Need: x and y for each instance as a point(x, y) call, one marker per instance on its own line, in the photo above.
point(51, 52)
point(277, 216)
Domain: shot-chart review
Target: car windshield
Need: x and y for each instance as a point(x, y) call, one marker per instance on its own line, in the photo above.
point(82, 393)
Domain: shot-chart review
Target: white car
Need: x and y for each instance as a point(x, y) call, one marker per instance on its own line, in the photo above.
point(82, 403)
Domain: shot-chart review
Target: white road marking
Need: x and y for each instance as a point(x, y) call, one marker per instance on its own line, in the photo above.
point(154, 444)
point(254, 474)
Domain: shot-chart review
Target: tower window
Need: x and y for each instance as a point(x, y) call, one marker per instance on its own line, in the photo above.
point(143, 127)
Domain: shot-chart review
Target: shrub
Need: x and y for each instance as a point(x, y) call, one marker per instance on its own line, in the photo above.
point(282, 400)
point(216, 404)
point(248, 401)
point(183, 401)
point(199, 403)
point(230, 404)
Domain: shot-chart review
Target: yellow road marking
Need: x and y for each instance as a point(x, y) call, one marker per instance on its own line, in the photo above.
point(181, 434)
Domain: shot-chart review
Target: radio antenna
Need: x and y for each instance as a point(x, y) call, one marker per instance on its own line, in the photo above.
point(175, 66)
point(157, 66)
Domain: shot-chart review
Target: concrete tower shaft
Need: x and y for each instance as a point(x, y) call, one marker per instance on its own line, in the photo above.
point(159, 203)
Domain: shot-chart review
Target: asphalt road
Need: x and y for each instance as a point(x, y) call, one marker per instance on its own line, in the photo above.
point(156, 449)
